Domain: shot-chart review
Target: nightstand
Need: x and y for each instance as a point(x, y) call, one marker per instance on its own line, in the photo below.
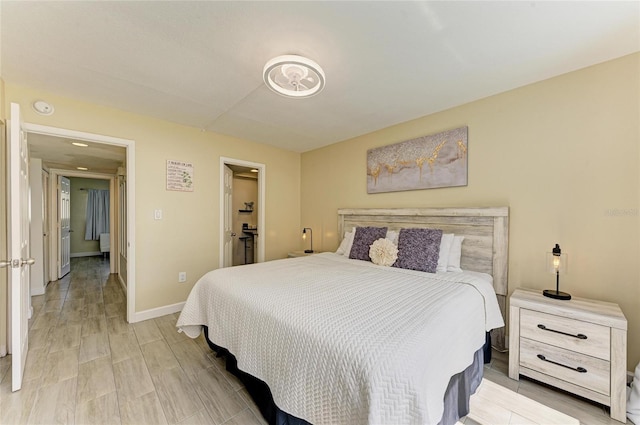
point(295, 254)
point(578, 345)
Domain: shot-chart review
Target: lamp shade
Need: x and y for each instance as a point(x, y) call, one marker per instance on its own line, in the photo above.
point(557, 263)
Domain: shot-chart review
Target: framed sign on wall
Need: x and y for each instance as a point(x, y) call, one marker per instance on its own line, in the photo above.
point(179, 176)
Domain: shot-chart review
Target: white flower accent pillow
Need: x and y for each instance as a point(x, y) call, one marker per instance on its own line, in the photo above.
point(383, 252)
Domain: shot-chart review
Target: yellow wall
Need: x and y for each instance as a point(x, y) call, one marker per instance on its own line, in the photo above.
point(562, 154)
point(187, 239)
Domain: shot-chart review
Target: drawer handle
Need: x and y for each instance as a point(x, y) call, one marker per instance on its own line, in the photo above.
point(577, 369)
point(579, 336)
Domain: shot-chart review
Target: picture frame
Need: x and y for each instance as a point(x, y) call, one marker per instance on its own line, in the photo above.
point(428, 162)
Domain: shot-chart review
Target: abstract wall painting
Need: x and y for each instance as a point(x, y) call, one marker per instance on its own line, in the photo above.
point(427, 162)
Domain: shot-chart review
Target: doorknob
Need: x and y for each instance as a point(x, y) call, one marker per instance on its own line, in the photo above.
point(17, 263)
point(233, 234)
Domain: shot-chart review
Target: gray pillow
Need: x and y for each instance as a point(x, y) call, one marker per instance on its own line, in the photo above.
point(419, 249)
point(363, 239)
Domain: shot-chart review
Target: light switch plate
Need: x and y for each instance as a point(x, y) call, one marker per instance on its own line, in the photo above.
point(157, 214)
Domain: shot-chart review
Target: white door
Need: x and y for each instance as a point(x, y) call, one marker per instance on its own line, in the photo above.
point(64, 224)
point(228, 217)
point(18, 245)
point(45, 223)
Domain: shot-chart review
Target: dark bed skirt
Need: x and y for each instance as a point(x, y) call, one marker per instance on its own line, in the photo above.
point(460, 387)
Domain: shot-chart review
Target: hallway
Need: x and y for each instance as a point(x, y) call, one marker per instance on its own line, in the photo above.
point(87, 365)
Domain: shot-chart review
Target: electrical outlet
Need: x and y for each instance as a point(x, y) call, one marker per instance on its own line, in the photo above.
point(182, 277)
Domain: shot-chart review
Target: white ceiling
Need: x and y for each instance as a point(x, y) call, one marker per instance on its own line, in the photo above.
point(58, 152)
point(200, 63)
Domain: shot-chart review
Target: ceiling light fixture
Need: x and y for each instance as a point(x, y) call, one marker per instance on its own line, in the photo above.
point(82, 145)
point(82, 168)
point(253, 170)
point(42, 107)
point(294, 76)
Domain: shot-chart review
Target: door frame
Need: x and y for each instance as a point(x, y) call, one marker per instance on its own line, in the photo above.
point(46, 226)
point(54, 245)
point(262, 178)
point(129, 146)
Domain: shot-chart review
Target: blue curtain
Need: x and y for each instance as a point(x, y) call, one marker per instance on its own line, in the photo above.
point(97, 214)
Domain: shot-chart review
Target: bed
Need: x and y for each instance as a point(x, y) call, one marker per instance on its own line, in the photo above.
point(340, 341)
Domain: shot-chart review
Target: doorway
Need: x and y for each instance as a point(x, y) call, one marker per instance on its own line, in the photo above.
point(90, 222)
point(123, 261)
point(68, 215)
point(242, 212)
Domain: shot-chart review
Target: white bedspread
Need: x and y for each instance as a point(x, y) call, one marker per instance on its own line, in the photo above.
point(343, 341)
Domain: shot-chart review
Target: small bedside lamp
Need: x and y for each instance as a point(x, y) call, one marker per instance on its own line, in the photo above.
point(304, 236)
point(557, 262)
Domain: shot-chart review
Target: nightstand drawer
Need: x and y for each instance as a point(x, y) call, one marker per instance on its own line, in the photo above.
point(595, 375)
point(571, 334)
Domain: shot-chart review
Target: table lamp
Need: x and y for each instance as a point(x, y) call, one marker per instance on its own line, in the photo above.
point(304, 236)
point(557, 262)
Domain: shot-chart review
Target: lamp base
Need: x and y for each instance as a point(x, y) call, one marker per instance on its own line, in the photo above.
point(558, 295)
point(308, 251)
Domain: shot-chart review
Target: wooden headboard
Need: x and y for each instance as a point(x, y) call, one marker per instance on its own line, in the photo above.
point(485, 247)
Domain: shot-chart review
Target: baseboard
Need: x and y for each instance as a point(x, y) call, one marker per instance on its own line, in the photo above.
point(122, 283)
point(85, 254)
point(37, 291)
point(157, 312)
point(3, 350)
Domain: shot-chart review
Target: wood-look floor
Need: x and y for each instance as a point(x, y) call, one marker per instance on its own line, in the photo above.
point(87, 365)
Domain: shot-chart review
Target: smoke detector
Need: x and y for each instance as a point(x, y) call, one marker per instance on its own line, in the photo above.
point(42, 107)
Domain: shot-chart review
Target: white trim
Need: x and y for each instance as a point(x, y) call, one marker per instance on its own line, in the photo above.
point(129, 145)
point(3, 350)
point(158, 312)
point(86, 254)
point(73, 134)
point(131, 231)
point(122, 284)
point(81, 174)
point(262, 178)
point(54, 244)
point(34, 292)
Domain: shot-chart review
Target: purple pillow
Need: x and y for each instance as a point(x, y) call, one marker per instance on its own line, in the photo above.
point(419, 249)
point(363, 239)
